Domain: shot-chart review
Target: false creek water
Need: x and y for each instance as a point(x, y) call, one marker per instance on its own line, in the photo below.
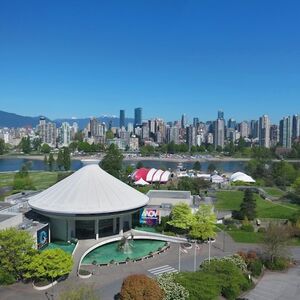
point(8, 164)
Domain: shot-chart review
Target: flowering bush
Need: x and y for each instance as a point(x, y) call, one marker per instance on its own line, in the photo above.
point(236, 259)
point(173, 290)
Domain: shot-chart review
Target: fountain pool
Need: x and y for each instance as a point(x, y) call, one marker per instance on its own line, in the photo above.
point(111, 251)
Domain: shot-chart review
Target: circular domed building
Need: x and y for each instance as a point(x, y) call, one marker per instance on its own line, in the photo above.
point(89, 204)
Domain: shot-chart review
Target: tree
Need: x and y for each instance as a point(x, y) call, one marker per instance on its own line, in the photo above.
point(296, 185)
point(50, 264)
point(112, 161)
point(66, 159)
point(248, 205)
point(275, 241)
point(2, 146)
point(139, 165)
point(17, 250)
point(22, 180)
point(211, 168)
point(109, 135)
point(140, 287)
point(25, 145)
point(79, 292)
point(197, 166)
point(60, 159)
point(51, 162)
point(36, 144)
point(45, 162)
point(45, 148)
point(204, 224)
point(181, 216)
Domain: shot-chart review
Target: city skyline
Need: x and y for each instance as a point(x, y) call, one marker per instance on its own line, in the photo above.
point(193, 57)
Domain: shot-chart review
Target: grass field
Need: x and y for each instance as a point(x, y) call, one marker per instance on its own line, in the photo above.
point(240, 236)
point(6, 179)
point(231, 200)
point(274, 191)
point(40, 180)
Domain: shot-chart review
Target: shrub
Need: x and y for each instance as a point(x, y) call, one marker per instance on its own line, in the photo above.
point(6, 278)
point(255, 267)
point(140, 287)
point(84, 272)
point(231, 278)
point(232, 227)
point(172, 289)
point(278, 264)
point(247, 227)
point(200, 285)
point(261, 229)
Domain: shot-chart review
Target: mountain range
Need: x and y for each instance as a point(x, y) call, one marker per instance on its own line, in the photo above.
point(13, 120)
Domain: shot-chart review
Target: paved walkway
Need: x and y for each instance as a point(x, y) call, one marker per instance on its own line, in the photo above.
point(277, 286)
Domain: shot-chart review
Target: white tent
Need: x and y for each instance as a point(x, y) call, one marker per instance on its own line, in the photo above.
point(240, 176)
point(141, 181)
point(217, 179)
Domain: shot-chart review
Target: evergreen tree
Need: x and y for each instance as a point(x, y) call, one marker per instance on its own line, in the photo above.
point(2, 146)
point(248, 206)
point(51, 162)
point(25, 145)
point(45, 162)
point(60, 159)
point(66, 159)
point(197, 166)
point(112, 161)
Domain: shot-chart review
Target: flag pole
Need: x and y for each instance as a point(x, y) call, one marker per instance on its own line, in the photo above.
point(195, 258)
point(179, 250)
point(209, 250)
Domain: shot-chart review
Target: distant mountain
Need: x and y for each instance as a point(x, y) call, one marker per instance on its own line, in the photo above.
point(14, 120)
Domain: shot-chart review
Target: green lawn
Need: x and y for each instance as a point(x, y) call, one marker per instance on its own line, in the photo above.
point(240, 236)
point(40, 180)
point(274, 191)
point(6, 179)
point(43, 180)
point(231, 200)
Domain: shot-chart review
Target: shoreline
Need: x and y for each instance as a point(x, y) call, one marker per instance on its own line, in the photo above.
point(137, 158)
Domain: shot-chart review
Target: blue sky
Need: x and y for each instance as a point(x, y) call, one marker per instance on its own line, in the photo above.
point(85, 58)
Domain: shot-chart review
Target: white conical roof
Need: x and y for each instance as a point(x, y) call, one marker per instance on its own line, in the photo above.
point(90, 190)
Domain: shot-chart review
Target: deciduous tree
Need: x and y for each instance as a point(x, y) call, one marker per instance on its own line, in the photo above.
point(112, 161)
point(181, 216)
point(204, 224)
point(50, 264)
point(141, 287)
point(16, 251)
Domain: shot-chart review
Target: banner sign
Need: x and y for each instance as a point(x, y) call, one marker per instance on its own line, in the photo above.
point(42, 236)
point(149, 216)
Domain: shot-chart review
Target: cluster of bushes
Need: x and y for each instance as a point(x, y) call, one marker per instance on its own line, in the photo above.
point(253, 261)
point(277, 264)
point(227, 276)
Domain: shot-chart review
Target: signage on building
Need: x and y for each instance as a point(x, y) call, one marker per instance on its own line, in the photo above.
point(149, 216)
point(42, 236)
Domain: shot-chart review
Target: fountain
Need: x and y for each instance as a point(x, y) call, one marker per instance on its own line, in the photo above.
point(125, 245)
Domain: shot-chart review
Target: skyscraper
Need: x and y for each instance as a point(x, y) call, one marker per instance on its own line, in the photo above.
point(183, 121)
point(219, 133)
point(137, 116)
point(264, 131)
point(122, 118)
point(285, 132)
point(220, 114)
point(191, 136)
point(296, 127)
